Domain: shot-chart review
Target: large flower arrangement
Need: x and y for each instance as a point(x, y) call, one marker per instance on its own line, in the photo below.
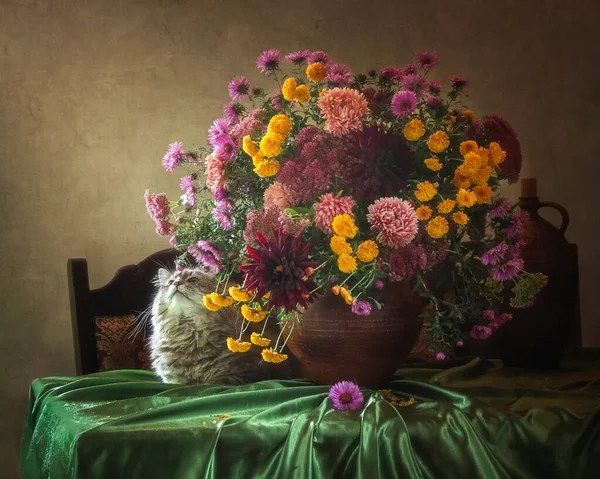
point(342, 183)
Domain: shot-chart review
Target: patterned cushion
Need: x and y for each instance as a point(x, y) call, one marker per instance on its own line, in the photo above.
point(117, 346)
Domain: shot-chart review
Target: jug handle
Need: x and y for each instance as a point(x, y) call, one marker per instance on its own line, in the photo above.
point(563, 213)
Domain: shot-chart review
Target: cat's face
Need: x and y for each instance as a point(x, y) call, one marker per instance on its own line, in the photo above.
point(179, 291)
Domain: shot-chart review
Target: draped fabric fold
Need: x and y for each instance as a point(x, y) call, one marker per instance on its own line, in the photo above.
point(474, 421)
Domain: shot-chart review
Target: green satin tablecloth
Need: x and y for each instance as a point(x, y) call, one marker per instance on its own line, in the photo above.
point(475, 421)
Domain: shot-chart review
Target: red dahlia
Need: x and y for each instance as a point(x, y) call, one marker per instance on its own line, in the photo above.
point(279, 266)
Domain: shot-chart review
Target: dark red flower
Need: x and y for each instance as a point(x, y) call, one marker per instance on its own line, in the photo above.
point(494, 128)
point(279, 267)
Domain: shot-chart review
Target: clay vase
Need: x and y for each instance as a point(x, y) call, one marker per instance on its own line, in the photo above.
point(333, 344)
point(538, 336)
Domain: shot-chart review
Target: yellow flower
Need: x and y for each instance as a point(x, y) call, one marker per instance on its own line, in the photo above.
point(485, 156)
point(446, 206)
point(438, 142)
point(208, 303)
point(469, 115)
point(254, 315)
point(323, 91)
point(288, 89)
point(460, 218)
point(280, 125)
point(465, 198)
point(346, 295)
point(468, 146)
point(239, 294)
point(268, 295)
point(270, 145)
point(302, 94)
point(268, 168)
point(238, 346)
point(367, 251)
point(497, 154)
point(462, 177)
point(481, 176)
point(423, 212)
point(339, 245)
point(414, 130)
point(346, 263)
point(433, 164)
point(221, 301)
point(257, 339)
point(437, 227)
point(473, 161)
point(271, 356)
point(316, 72)
point(483, 194)
point(425, 191)
point(248, 146)
point(344, 225)
point(258, 159)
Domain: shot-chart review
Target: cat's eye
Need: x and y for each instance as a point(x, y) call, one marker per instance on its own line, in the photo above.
point(193, 280)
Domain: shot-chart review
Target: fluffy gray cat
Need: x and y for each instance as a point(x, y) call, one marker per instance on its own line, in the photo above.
point(188, 342)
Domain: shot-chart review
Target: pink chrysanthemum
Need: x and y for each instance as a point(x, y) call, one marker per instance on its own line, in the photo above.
point(157, 205)
point(414, 82)
point(426, 60)
point(433, 102)
point(251, 125)
point(403, 103)
point(225, 148)
point(339, 74)
point(344, 110)
point(318, 57)
point(409, 69)
point(298, 58)
point(391, 74)
point(495, 254)
point(233, 111)
point(515, 228)
point(268, 61)
point(206, 254)
point(346, 396)
point(219, 127)
point(187, 185)
point(279, 195)
point(501, 209)
point(238, 88)
point(215, 169)
point(329, 207)
point(222, 214)
point(508, 270)
point(406, 262)
point(362, 308)
point(174, 156)
point(500, 321)
point(459, 82)
point(395, 220)
point(434, 87)
point(480, 332)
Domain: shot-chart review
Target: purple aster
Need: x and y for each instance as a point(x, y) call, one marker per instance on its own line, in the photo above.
point(222, 218)
point(403, 103)
point(502, 209)
point(434, 87)
point(233, 111)
point(409, 69)
point(206, 254)
point(459, 82)
point(426, 60)
point(189, 190)
point(318, 57)
point(489, 315)
point(440, 356)
point(459, 344)
point(516, 227)
point(433, 102)
point(298, 58)
point(480, 332)
point(339, 74)
point(224, 147)
point(495, 254)
point(379, 284)
point(500, 321)
point(268, 61)
point(362, 308)
point(238, 88)
point(414, 82)
point(174, 156)
point(391, 73)
point(219, 127)
point(277, 101)
point(221, 194)
point(508, 270)
point(346, 395)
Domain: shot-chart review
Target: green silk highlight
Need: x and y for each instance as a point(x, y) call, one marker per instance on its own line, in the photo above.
point(473, 421)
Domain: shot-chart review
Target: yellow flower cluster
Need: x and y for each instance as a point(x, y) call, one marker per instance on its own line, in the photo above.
point(438, 142)
point(476, 168)
point(497, 155)
point(425, 191)
point(268, 168)
point(367, 251)
point(291, 91)
point(344, 225)
point(446, 206)
point(433, 164)
point(414, 130)
point(238, 346)
point(317, 72)
point(254, 315)
point(239, 294)
point(215, 302)
point(270, 144)
point(347, 263)
point(280, 125)
point(438, 227)
point(423, 212)
point(346, 295)
point(483, 194)
point(465, 198)
point(460, 218)
point(339, 245)
point(270, 356)
point(257, 339)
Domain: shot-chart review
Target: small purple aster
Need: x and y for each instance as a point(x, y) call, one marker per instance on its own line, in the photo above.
point(500, 321)
point(339, 74)
point(238, 88)
point(414, 82)
point(391, 74)
point(233, 111)
point(346, 396)
point(277, 101)
point(426, 60)
point(298, 58)
point(268, 61)
point(488, 315)
point(206, 254)
point(516, 227)
point(221, 194)
point(379, 284)
point(362, 308)
point(495, 254)
point(440, 356)
point(459, 83)
point(480, 332)
point(459, 344)
point(502, 209)
point(222, 218)
point(318, 57)
point(434, 87)
point(189, 190)
point(433, 102)
point(225, 147)
point(174, 156)
point(508, 270)
point(219, 127)
point(403, 103)
point(409, 69)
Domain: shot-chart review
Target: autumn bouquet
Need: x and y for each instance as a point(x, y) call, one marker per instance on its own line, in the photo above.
point(330, 182)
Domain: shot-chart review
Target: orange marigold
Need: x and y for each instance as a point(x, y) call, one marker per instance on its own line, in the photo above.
point(438, 142)
point(425, 191)
point(483, 194)
point(423, 212)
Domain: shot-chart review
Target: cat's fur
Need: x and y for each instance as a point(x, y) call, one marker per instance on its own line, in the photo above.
point(188, 342)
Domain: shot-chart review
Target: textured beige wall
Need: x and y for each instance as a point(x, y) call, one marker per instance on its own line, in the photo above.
point(92, 92)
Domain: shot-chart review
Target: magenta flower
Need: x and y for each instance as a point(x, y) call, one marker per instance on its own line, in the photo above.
point(459, 83)
point(362, 308)
point(405, 262)
point(157, 205)
point(339, 74)
point(318, 57)
point(238, 88)
point(409, 69)
point(298, 58)
point(508, 270)
point(500, 321)
point(426, 60)
point(219, 127)
point(221, 194)
point(434, 87)
point(379, 284)
point(488, 315)
point(346, 396)
point(391, 74)
point(414, 82)
point(515, 228)
point(233, 111)
point(480, 332)
point(225, 147)
point(250, 125)
point(495, 254)
point(268, 61)
point(329, 207)
point(174, 156)
point(164, 228)
point(459, 344)
point(395, 220)
point(440, 356)
point(403, 103)
point(501, 209)
point(222, 218)
point(189, 190)
point(433, 102)
point(206, 254)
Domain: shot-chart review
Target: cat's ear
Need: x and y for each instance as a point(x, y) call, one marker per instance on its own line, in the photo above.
point(163, 277)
